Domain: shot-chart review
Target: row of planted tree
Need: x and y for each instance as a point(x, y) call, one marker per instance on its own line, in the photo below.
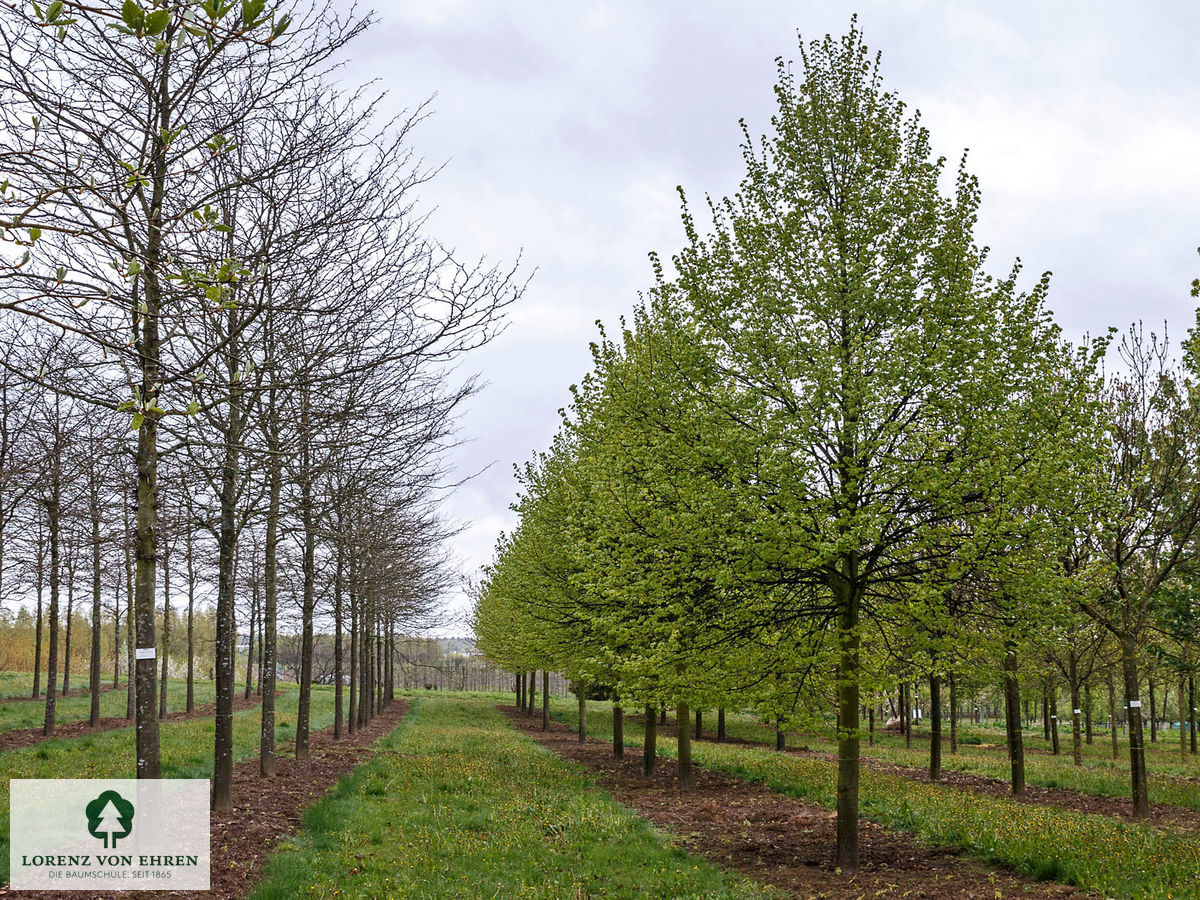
point(228, 347)
point(828, 450)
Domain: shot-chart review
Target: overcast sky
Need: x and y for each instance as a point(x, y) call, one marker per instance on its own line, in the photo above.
point(566, 127)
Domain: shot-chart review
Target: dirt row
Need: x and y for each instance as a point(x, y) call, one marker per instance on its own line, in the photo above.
point(265, 811)
point(28, 737)
point(780, 840)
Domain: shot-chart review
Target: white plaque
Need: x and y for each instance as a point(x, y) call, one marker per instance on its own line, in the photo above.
point(1135, 704)
point(145, 653)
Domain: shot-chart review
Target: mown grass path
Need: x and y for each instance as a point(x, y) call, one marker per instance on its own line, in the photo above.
point(460, 805)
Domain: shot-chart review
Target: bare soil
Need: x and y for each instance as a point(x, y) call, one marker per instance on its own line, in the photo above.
point(265, 811)
point(783, 841)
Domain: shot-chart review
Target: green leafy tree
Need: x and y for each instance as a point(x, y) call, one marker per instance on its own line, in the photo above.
point(895, 394)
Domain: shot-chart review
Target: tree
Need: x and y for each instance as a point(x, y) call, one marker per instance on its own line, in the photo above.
point(1151, 515)
point(894, 390)
point(111, 115)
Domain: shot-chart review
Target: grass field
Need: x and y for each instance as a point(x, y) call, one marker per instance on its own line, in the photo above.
point(31, 714)
point(187, 748)
point(1097, 853)
point(458, 804)
point(1170, 781)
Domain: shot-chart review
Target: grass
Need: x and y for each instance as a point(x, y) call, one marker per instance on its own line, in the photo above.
point(1096, 853)
point(187, 748)
point(32, 714)
point(457, 804)
point(1170, 782)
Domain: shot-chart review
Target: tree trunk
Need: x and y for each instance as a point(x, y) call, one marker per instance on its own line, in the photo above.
point(1137, 757)
point(953, 715)
point(254, 605)
point(166, 639)
point(1112, 716)
point(848, 637)
point(270, 640)
point(52, 660)
point(1087, 712)
point(338, 668)
point(149, 761)
point(1012, 719)
point(94, 666)
point(1045, 712)
point(1191, 694)
point(190, 560)
point(352, 706)
point(699, 724)
point(1076, 736)
point(720, 723)
point(581, 694)
point(532, 693)
point(780, 738)
point(871, 726)
point(521, 691)
point(117, 637)
point(130, 627)
point(545, 700)
point(67, 636)
point(1153, 714)
point(309, 594)
point(618, 730)
point(935, 727)
point(649, 750)
point(222, 785)
point(662, 714)
point(1054, 721)
point(37, 633)
point(683, 739)
point(1183, 729)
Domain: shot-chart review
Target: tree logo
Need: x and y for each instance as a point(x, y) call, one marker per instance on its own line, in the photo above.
point(110, 816)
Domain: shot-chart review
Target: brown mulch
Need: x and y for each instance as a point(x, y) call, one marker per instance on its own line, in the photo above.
point(780, 840)
point(27, 737)
point(266, 810)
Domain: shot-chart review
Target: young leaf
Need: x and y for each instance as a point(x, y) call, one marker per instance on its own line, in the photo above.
point(132, 14)
point(157, 21)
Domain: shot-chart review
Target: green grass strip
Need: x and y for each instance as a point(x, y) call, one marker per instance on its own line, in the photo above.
point(1170, 782)
point(458, 804)
point(32, 713)
point(1096, 853)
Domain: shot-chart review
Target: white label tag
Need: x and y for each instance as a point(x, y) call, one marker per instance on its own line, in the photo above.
point(1054, 717)
point(1078, 711)
point(145, 653)
point(1135, 704)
